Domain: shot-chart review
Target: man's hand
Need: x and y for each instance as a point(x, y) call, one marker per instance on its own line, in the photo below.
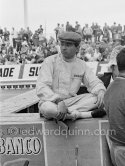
point(72, 94)
point(56, 98)
point(60, 98)
point(62, 109)
point(100, 98)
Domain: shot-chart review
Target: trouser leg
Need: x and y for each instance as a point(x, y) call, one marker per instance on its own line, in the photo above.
point(51, 110)
point(48, 109)
point(81, 103)
point(81, 106)
point(78, 107)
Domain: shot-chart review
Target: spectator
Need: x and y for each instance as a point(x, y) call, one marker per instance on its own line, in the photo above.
point(29, 33)
point(117, 46)
point(6, 34)
point(119, 29)
point(36, 58)
point(114, 30)
point(40, 53)
point(62, 28)
point(11, 60)
point(9, 48)
point(82, 52)
point(14, 35)
point(95, 31)
point(69, 27)
point(105, 28)
point(21, 32)
point(42, 38)
point(57, 31)
point(79, 30)
point(24, 52)
point(89, 55)
point(99, 33)
point(87, 33)
point(97, 54)
point(36, 38)
point(18, 42)
point(40, 29)
point(4, 52)
point(76, 26)
point(51, 47)
point(25, 36)
point(1, 32)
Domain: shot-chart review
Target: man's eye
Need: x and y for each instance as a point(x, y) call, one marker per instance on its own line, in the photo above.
point(68, 44)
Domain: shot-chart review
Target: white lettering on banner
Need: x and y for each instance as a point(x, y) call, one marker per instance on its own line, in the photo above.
point(22, 142)
point(9, 72)
point(6, 72)
point(20, 146)
point(34, 71)
point(31, 71)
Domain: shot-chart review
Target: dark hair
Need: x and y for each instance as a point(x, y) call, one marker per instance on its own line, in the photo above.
point(121, 60)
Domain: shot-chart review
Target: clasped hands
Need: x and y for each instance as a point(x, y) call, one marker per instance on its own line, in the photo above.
point(58, 99)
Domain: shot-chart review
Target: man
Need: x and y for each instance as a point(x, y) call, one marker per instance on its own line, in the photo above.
point(40, 29)
point(117, 47)
point(87, 32)
point(14, 35)
point(59, 80)
point(114, 102)
point(69, 27)
point(6, 34)
point(29, 32)
point(57, 31)
point(114, 30)
point(1, 32)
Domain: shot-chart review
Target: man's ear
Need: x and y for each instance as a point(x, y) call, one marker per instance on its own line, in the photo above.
point(77, 48)
point(115, 71)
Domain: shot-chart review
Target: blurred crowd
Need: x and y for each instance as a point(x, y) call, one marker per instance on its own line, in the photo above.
point(25, 46)
point(30, 47)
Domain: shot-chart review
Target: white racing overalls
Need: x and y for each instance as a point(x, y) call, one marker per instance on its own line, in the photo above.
point(57, 76)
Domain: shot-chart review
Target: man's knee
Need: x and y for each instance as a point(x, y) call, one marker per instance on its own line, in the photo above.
point(48, 109)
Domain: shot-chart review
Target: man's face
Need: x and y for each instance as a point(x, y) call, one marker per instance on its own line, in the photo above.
point(12, 58)
point(82, 51)
point(68, 50)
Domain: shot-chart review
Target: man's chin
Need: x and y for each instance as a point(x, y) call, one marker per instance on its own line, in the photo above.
point(66, 56)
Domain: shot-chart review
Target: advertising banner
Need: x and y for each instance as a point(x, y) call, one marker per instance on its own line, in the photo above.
point(9, 72)
point(31, 71)
point(22, 144)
